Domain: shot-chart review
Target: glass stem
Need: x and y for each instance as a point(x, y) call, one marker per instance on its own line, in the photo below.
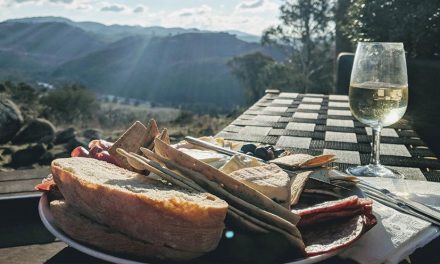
point(375, 153)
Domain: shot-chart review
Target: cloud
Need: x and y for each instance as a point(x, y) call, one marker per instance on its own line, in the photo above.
point(12, 3)
point(257, 6)
point(196, 11)
point(250, 4)
point(139, 9)
point(215, 19)
point(113, 8)
point(61, 1)
point(25, 1)
point(83, 7)
point(66, 2)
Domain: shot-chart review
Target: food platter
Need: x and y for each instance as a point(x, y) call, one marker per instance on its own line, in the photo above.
point(49, 223)
point(141, 199)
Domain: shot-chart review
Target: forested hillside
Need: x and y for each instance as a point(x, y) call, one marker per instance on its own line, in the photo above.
point(178, 67)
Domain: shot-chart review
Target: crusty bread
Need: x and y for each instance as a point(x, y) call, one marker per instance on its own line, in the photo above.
point(85, 230)
point(140, 207)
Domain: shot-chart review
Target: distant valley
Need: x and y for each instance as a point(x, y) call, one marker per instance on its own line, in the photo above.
point(169, 66)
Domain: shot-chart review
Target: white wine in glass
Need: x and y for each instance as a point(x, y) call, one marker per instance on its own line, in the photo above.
point(378, 95)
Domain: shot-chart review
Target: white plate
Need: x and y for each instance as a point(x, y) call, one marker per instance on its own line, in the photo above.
point(48, 221)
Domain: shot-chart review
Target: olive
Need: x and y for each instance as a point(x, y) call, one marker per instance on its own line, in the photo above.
point(270, 154)
point(278, 152)
point(262, 153)
point(248, 148)
point(250, 153)
point(269, 147)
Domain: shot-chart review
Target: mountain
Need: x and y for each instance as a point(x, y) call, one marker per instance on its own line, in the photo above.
point(187, 69)
point(183, 69)
point(33, 50)
point(244, 36)
point(50, 41)
point(116, 32)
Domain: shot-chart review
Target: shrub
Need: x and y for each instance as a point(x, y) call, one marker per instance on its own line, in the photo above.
point(70, 103)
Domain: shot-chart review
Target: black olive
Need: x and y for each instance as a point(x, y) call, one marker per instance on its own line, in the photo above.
point(248, 148)
point(262, 153)
point(270, 154)
point(269, 147)
point(278, 152)
point(250, 154)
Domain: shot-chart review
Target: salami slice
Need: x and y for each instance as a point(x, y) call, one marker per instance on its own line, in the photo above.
point(327, 211)
point(324, 217)
point(329, 206)
point(334, 235)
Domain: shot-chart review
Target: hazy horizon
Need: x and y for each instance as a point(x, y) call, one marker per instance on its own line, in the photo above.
point(117, 24)
point(249, 16)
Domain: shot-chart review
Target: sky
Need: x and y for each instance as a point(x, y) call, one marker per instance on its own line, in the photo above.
point(251, 16)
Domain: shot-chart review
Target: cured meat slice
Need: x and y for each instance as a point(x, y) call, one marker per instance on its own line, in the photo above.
point(334, 235)
point(348, 202)
point(105, 145)
point(324, 217)
point(327, 211)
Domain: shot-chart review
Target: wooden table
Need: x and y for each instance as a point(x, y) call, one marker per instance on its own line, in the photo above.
point(293, 121)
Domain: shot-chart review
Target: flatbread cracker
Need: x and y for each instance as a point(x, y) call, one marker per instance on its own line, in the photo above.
point(298, 182)
point(227, 182)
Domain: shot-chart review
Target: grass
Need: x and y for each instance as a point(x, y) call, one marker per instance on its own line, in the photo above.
point(114, 118)
point(118, 116)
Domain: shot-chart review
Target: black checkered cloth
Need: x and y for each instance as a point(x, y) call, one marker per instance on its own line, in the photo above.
point(323, 124)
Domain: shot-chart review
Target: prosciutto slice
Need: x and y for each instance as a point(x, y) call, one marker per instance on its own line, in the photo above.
point(334, 235)
point(329, 226)
point(344, 208)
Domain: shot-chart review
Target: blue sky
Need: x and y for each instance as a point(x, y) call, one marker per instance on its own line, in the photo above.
point(250, 16)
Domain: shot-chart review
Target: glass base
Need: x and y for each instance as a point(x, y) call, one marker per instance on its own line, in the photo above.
point(372, 170)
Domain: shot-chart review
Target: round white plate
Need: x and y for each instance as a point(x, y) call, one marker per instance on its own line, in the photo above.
point(48, 221)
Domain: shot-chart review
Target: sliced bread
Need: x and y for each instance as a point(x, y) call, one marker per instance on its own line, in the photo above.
point(87, 231)
point(140, 207)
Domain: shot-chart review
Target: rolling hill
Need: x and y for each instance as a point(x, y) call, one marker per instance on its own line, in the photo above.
point(181, 67)
point(52, 41)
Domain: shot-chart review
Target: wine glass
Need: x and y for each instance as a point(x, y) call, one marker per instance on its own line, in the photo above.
point(378, 96)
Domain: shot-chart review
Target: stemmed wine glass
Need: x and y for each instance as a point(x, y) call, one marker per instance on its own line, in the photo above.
point(378, 95)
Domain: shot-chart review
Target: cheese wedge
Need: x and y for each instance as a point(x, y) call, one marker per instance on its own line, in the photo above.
point(239, 162)
point(269, 179)
point(212, 158)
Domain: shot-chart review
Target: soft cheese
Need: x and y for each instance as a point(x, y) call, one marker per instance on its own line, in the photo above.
point(269, 179)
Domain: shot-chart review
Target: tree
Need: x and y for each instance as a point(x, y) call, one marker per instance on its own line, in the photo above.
point(258, 72)
point(70, 103)
point(23, 93)
point(307, 35)
point(416, 23)
point(281, 76)
point(248, 69)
